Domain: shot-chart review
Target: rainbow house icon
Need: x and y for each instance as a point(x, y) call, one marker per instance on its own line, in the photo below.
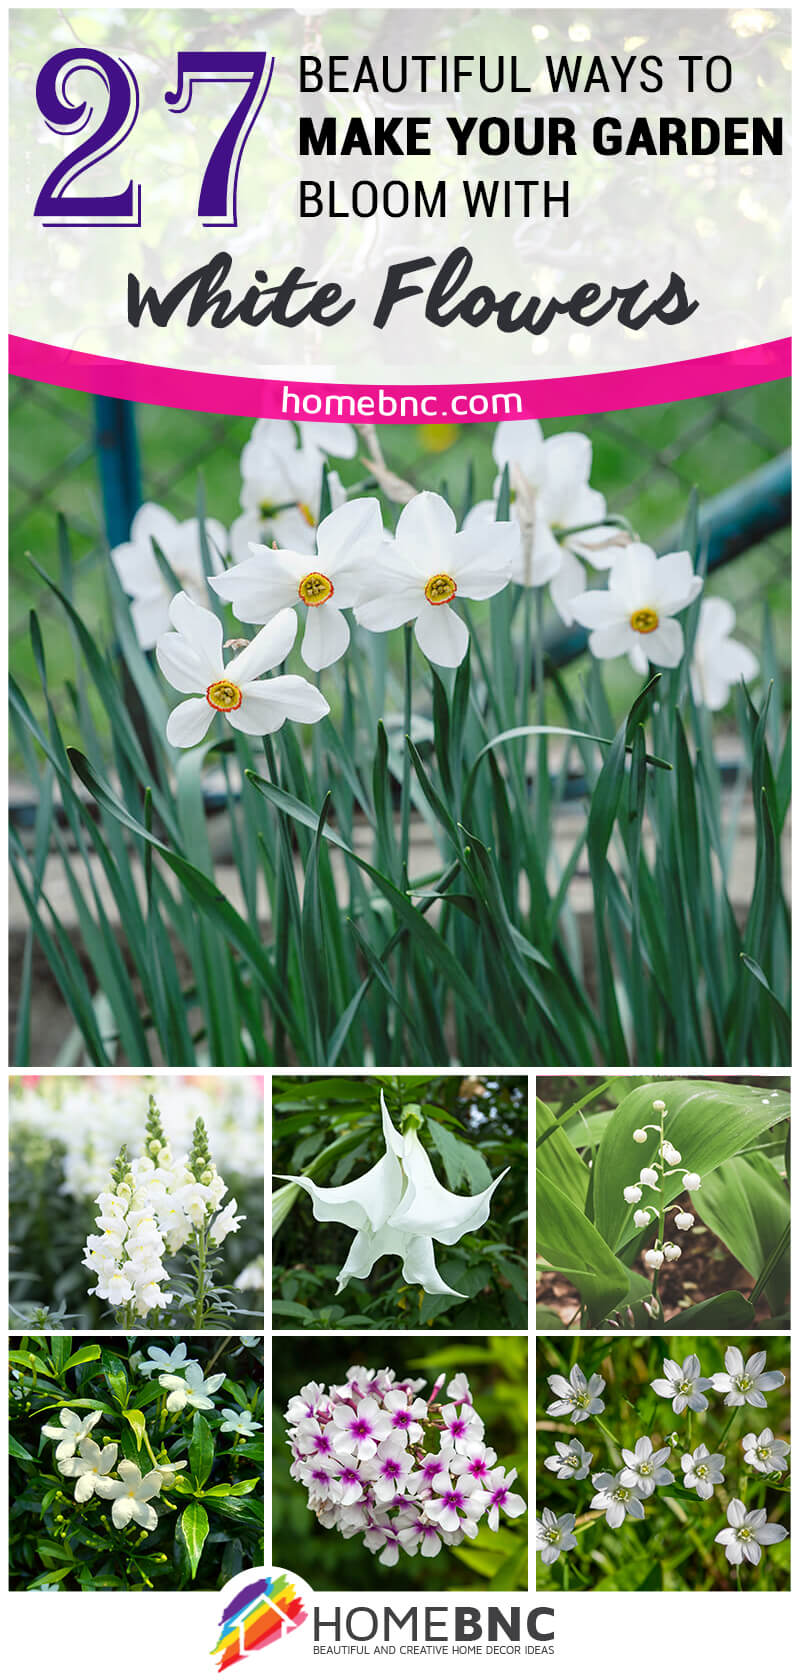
point(261, 1612)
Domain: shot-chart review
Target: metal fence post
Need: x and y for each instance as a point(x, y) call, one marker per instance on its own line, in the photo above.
point(118, 463)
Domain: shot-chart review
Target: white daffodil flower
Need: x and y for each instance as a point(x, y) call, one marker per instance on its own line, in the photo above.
point(91, 1467)
point(238, 1423)
point(616, 1499)
point(645, 1468)
point(576, 1398)
point(192, 1389)
point(162, 1360)
point(348, 549)
point(282, 483)
point(570, 1460)
point(683, 1385)
point(747, 1533)
point(703, 1471)
point(765, 1452)
point(718, 661)
point(131, 1494)
point(636, 614)
point(141, 576)
point(399, 1207)
point(190, 657)
point(745, 1385)
point(73, 1430)
point(427, 565)
point(554, 1535)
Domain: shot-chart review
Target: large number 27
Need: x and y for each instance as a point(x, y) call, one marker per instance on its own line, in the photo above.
point(217, 201)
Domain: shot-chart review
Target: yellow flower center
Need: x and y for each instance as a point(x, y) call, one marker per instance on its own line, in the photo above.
point(315, 589)
point(224, 696)
point(644, 620)
point(440, 588)
point(304, 509)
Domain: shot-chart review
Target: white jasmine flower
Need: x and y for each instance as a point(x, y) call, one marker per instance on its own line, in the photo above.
point(399, 1207)
point(765, 1452)
point(554, 1535)
point(577, 1398)
point(190, 657)
point(192, 1389)
point(683, 1385)
point(671, 1155)
point(141, 576)
point(617, 1499)
point(671, 1251)
point(642, 1218)
point(238, 1423)
point(91, 1467)
point(571, 1460)
point(349, 543)
point(645, 1468)
point(131, 1494)
point(635, 615)
point(703, 1471)
point(632, 1192)
point(649, 1176)
point(684, 1220)
point(73, 1430)
point(745, 1385)
point(691, 1181)
point(640, 1135)
point(717, 660)
point(654, 1258)
point(748, 1531)
point(428, 565)
point(160, 1360)
point(168, 1472)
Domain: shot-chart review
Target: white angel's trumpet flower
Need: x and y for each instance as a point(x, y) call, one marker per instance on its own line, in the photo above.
point(397, 1208)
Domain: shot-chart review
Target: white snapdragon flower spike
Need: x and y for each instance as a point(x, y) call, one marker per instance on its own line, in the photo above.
point(616, 1499)
point(141, 577)
point(703, 1471)
point(576, 1399)
point(191, 659)
point(645, 1468)
point(554, 1535)
point(718, 660)
point(131, 1494)
point(683, 1385)
point(747, 1532)
point(91, 1468)
point(238, 1423)
point(349, 544)
point(282, 483)
point(192, 1389)
point(429, 565)
point(70, 1431)
point(636, 614)
point(161, 1359)
point(745, 1384)
point(570, 1461)
point(399, 1207)
point(766, 1453)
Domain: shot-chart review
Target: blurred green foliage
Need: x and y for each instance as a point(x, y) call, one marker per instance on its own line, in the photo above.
point(488, 1114)
point(497, 1368)
point(673, 1549)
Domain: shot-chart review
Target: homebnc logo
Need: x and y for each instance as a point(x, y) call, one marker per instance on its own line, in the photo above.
point(258, 1608)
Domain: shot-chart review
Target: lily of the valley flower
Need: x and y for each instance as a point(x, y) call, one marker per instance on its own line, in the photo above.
point(683, 1385)
point(616, 1499)
point(72, 1431)
point(645, 1468)
point(399, 1207)
point(765, 1453)
point(191, 659)
point(636, 614)
point(131, 1494)
point(703, 1471)
point(137, 567)
point(745, 1385)
point(91, 1467)
point(571, 1460)
point(282, 483)
point(747, 1532)
point(554, 1535)
point(431, 564)
point(576, 1399)
point(348, 548)
point(718, 661)
point(192, 1389)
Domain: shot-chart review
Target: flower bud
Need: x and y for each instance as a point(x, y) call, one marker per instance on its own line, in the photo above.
point(641, 1219)
point(671, 1154)
point(671, 1251)
point(684, 1221)
point(164, 1157)
point(660, 1107)
point(632, 1192)
point(206, 1178)
point(640, 1135)
point(649, 1176)
point(691, 1181)
point(654, 1259)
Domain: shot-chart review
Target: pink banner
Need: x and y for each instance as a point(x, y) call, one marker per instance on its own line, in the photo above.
point(269, 399)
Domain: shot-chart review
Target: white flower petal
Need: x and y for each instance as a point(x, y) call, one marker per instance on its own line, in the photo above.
point(188, 723)
point(441, 634)
point(326, 638)
point(268, 649)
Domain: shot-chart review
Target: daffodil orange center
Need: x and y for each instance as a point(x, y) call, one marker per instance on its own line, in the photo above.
point(644, 620)
point(224, 696)
point(315, 589)
point(440, 588)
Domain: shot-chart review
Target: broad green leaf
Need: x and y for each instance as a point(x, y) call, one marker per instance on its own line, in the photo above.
point(223, 1489)
point(84, 1356)
point(722, 1312)
point(59, 1351)
point(558, 1160)
point(569, 1243)
point(746, 1205)
point(201, 1449)
point(707, 1122)
point(194, 1527)
point(18, 1451)
point(462, 1164)
point(137, 1422)
point(116, 1375)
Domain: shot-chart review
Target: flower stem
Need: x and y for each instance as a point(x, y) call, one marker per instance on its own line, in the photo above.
point(200, 1273)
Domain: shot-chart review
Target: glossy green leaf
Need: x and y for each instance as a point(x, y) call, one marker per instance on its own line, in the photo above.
point(201, 1449)
point(746, 1205)
point(194, 1528)
point(569, 1243)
